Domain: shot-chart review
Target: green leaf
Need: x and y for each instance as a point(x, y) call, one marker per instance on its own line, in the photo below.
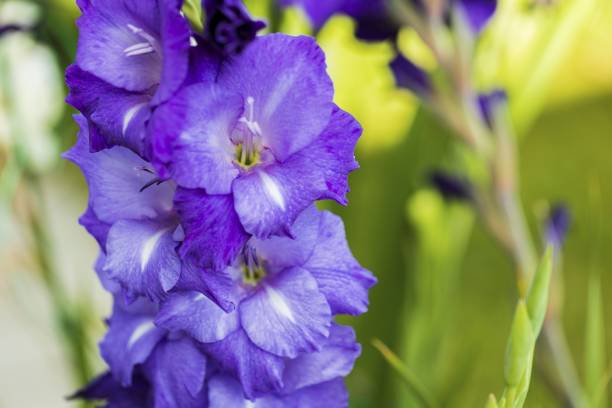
point(520, 346)
point(595, 353)
point(492, 402)
point(537, 296)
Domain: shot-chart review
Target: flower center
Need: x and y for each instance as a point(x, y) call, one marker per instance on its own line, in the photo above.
point(147, 46)
point(247, 137)
point(253, 270)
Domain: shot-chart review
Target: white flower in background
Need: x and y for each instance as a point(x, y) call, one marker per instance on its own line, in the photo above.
point(30, 91)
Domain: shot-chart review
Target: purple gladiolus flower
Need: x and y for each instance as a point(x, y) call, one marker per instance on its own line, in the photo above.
point(132, 55)
point(228, 25)
point(204, 158)
point(283, 295)
point(256, 149)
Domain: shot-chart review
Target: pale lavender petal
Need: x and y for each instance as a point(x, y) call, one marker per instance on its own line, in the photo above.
point(335, 360)
point(287, 314)
point(115, 178)
point(141, 256)
point(131, 337)
point(192, 138)
point(177, 370)
point(119, 115)
point(291, 90)
point(196, 315)
point(119, 41)
point(339, 276)
point(268, 200)
point(282, 252)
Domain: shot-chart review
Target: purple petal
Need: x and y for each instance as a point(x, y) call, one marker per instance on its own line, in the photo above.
point(119, 41)
point(258, 371)
point(105, 387)
point(115, 178)
point(107, 283)
point(268, 200)
point(198, 316)
point(334, 360)
point(331, 394)
point(224, 391)
point(291, 90)
point(217, 284)
point(131, 337)
point(141, 256)
point(213, 234)
point(478, 12)
point(93, 225)
point(339, 276)
point(118, 115)
point(175, 38)
point(192, 138)
point(287, 314)
point(284, 252)
point(177, 370)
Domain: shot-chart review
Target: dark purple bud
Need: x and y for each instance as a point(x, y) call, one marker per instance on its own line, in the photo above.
point(451, 187)
point(478, 12)
point(558, 224)
point(229, 27)
point(410, 76)
point(488, 102)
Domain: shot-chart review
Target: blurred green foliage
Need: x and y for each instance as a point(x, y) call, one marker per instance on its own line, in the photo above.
point(446, 295)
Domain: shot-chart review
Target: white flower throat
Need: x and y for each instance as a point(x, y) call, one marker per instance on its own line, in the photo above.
point(247, 137)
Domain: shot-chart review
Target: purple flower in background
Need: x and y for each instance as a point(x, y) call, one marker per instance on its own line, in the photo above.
point(132, 55)
point(477, 12)
point(410, 76)
point(558, 224)
point(450, 186)
point(374, 20)
point(228, 25)
point(251, 150)
point(489, 102)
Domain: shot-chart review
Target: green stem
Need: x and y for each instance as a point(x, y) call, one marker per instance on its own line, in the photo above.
point(411, 379)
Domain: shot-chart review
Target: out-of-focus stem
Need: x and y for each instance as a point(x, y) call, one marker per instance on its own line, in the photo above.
point(505, 218)
point(557, 344)
point(70, 329)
